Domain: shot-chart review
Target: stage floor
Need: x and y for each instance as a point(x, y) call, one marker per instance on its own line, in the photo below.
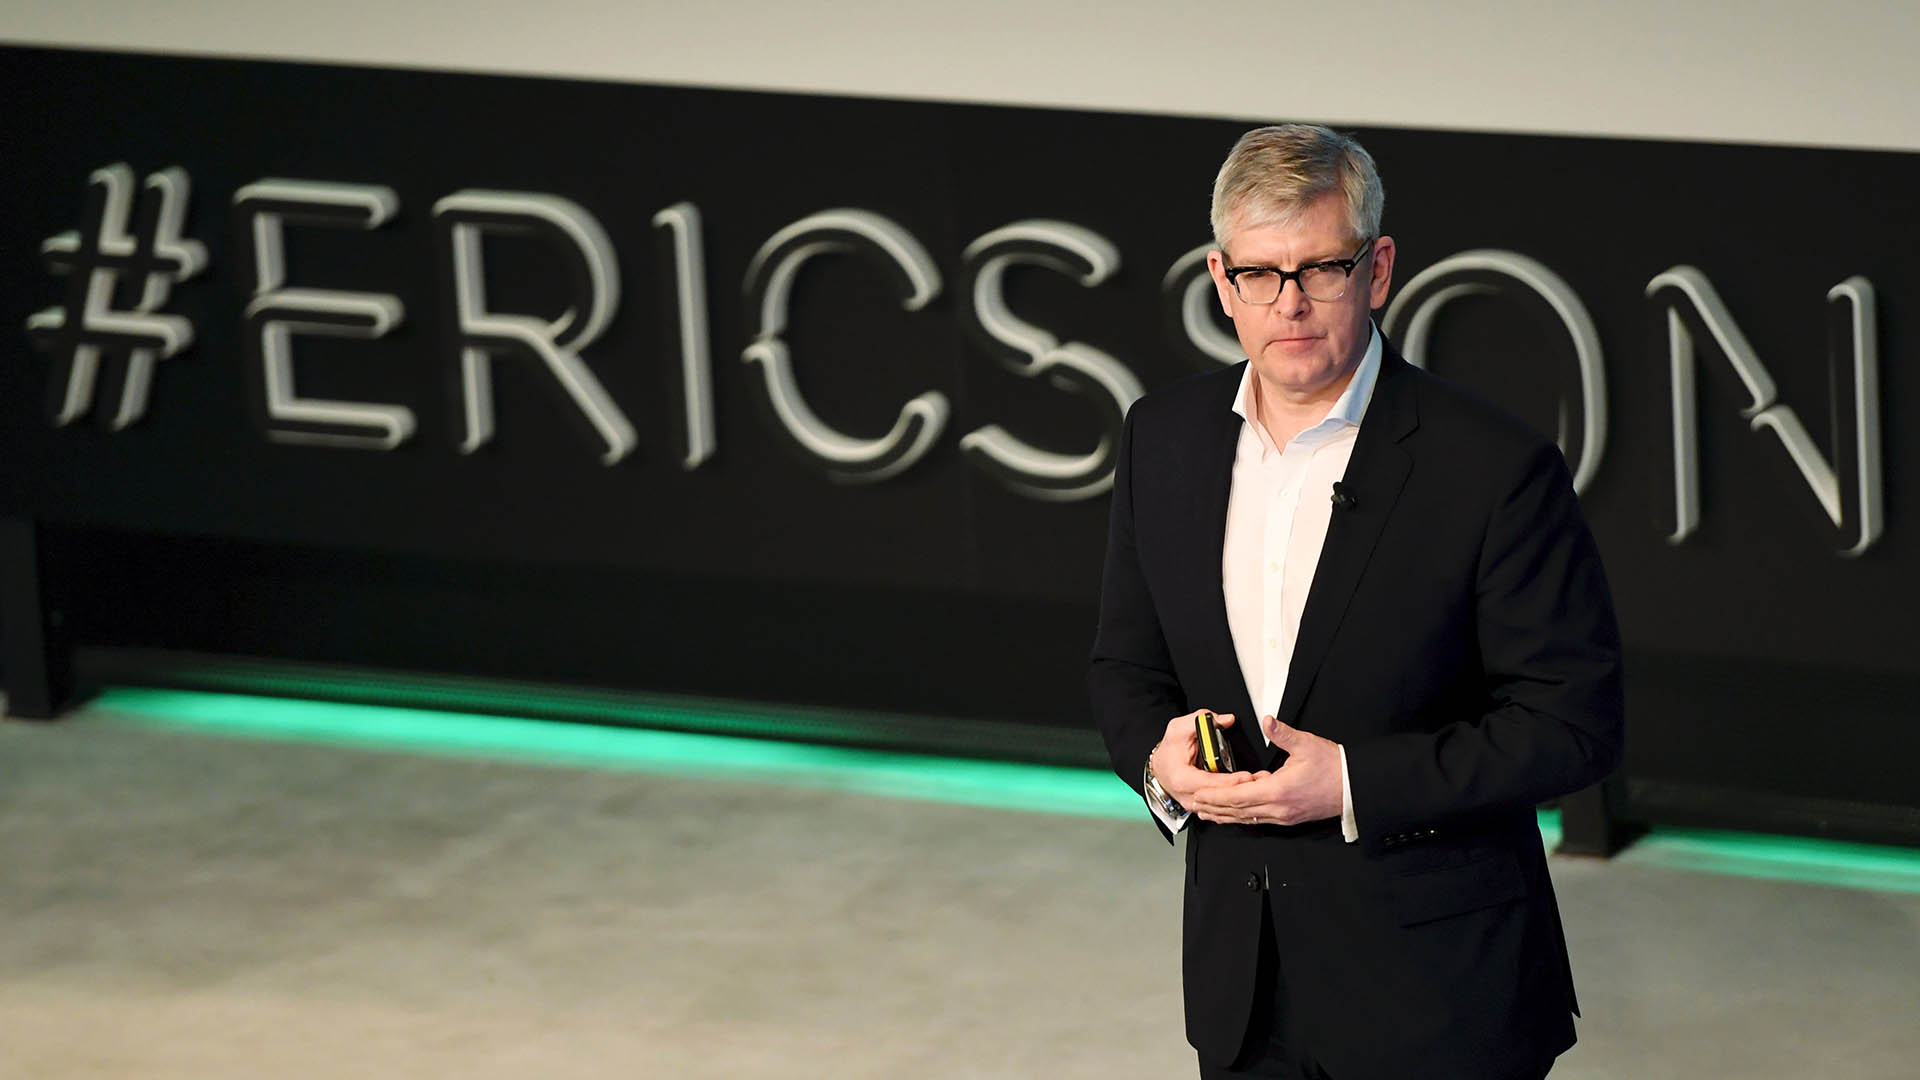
point(176, 902)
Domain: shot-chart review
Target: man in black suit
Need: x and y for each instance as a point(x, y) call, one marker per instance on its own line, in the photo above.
point(1393, 580)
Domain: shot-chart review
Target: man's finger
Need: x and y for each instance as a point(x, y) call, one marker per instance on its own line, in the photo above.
point(1235, 796)
point(1278, 733)
point(1222, 781)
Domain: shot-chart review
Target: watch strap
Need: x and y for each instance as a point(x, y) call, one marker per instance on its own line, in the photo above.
point(1150, 786)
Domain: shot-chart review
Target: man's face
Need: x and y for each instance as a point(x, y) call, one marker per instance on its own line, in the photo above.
point(1299, 346)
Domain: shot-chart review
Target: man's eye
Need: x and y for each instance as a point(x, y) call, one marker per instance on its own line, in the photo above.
point(1255, 275)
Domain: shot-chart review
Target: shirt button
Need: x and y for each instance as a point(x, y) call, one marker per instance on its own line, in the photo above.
point(1273, 567)
point(1273, 643)
point(1253, 882)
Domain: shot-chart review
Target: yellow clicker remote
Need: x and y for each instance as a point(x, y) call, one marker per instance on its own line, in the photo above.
point(1215, 755)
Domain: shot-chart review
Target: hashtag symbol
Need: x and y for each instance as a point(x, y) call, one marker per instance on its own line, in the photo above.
point(117, 281)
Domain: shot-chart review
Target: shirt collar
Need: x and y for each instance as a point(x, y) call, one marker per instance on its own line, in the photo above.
point(1351, 407)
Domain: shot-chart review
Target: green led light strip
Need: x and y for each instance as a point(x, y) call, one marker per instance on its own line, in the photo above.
point(945, 736)
point(1043, 788)
point(1000, 785)
point(552, 701)
point(1780, 858)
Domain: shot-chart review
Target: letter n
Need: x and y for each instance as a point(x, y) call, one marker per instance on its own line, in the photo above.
point(1846, 481)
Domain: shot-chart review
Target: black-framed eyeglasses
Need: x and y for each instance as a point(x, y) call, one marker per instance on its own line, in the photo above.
point(1322, 281)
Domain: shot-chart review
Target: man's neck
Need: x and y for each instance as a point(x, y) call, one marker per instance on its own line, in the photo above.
point(1284, 417)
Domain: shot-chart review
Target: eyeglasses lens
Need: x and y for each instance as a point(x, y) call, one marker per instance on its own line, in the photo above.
point(1319, 283)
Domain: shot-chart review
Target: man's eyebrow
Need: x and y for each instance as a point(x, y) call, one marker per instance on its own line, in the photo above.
point(1306, 262)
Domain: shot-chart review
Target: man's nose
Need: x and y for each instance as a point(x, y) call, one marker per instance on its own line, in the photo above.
point(1292, 301)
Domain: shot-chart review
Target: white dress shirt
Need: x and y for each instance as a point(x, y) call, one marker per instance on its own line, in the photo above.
point(1278, 511)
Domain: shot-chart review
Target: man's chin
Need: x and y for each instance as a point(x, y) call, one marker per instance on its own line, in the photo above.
point(1300, 378)
point(1295, 369)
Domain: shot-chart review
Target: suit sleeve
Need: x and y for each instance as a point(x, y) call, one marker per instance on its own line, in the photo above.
point(1130, 677)
point(1550, 653)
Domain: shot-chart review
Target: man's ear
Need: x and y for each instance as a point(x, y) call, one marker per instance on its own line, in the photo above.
point(1382, 279)
point(1217, 267)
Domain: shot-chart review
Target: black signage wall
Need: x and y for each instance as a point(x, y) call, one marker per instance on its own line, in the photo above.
point(812, 399)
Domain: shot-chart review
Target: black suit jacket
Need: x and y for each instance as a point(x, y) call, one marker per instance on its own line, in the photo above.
point(1459, 641)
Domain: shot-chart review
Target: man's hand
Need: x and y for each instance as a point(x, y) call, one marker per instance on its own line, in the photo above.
point(1305, 788)
point(1173, 759)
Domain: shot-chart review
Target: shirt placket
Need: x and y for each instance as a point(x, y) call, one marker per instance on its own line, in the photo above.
point(1281, 510)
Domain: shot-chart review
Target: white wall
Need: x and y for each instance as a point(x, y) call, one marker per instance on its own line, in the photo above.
point(1838, 73)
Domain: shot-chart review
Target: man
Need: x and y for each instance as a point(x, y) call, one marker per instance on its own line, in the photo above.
point(1384, 588)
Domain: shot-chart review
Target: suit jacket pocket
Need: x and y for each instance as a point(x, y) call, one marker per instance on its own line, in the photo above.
point(1427, 895)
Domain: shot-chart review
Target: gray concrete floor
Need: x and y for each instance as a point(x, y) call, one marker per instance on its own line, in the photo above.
point(178, 905)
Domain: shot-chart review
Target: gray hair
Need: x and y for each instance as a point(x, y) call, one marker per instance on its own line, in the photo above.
point(1275, 173)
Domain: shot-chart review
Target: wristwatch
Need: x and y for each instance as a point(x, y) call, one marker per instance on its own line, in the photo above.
point(1151, 785)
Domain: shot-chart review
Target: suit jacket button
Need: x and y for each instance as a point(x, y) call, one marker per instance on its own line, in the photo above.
point(1253, 882)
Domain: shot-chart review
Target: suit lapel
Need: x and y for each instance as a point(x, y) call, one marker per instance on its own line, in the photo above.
point(1218, 446)
point(1375, 475)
